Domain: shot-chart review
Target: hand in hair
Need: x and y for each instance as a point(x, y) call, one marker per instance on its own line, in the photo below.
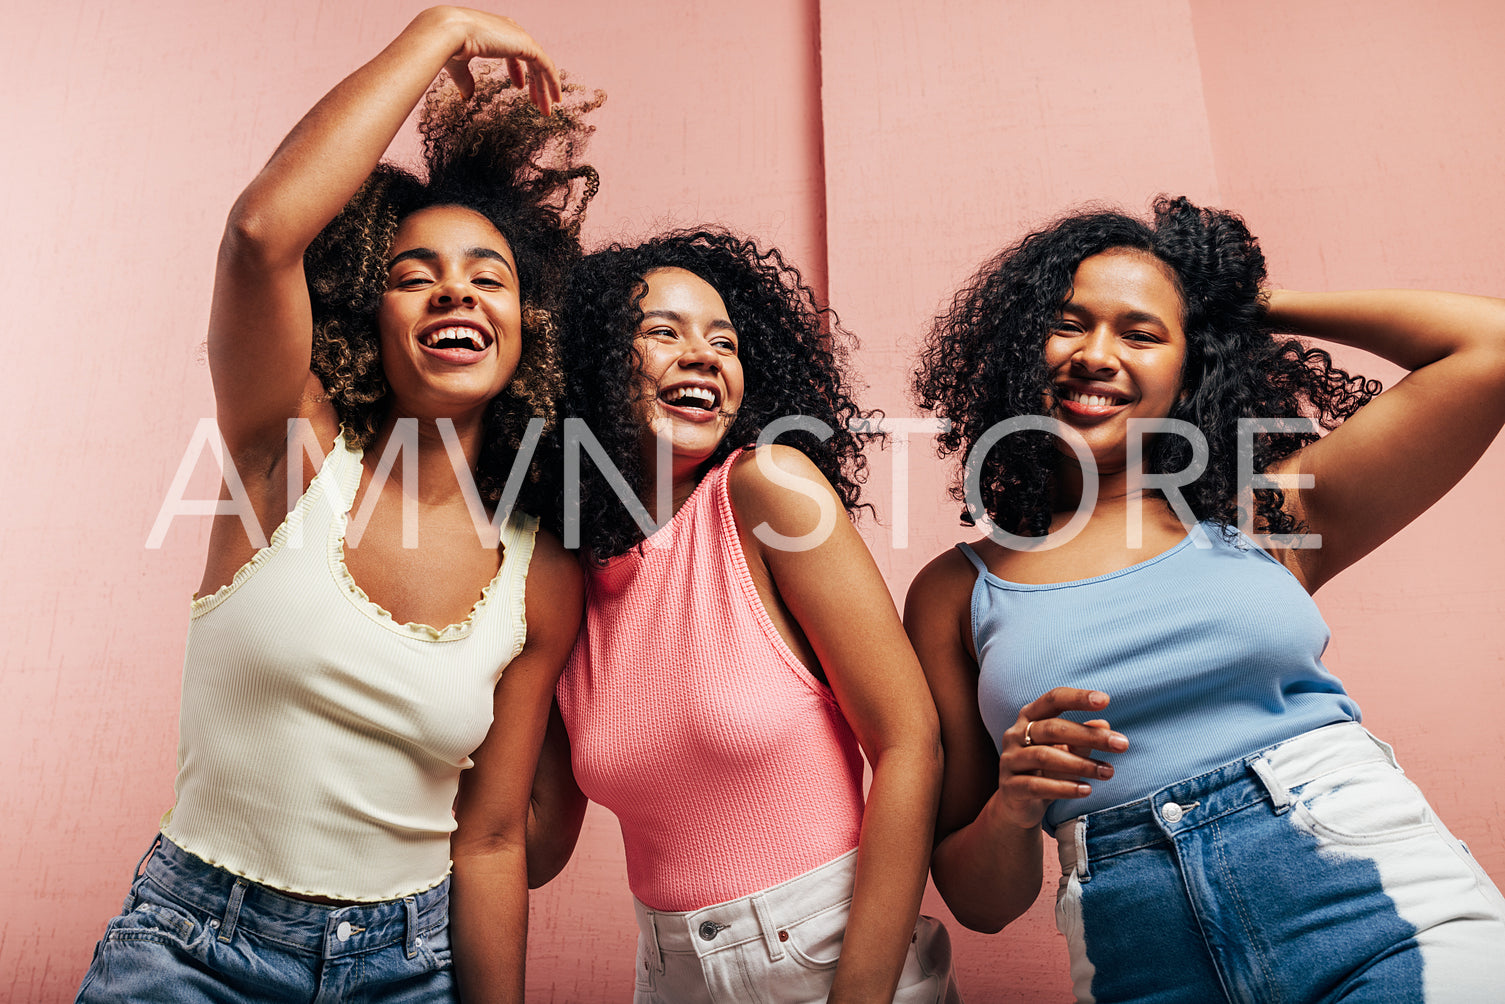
point(496, 37)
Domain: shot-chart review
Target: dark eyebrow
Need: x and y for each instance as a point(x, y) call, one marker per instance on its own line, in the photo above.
point(429, 254)
point(1129, 316)
point(719, 324)
point(1143, 317)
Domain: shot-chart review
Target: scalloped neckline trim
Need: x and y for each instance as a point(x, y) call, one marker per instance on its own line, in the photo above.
point(349, 479)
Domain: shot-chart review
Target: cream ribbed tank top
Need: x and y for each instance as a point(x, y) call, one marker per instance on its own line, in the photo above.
point(320, 741)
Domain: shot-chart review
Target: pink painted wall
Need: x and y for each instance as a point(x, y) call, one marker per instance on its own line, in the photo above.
point(886, 145)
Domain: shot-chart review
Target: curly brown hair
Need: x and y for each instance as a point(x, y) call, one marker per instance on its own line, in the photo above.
point(494, 154)
point(983, 362)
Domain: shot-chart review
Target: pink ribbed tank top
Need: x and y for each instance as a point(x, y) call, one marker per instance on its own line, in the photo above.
point(730, 767)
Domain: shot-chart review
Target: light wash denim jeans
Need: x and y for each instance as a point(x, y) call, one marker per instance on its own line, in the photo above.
point(1309, 871)
point(778, 946)
point(192, 933)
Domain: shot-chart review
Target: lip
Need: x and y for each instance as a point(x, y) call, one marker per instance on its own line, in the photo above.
point(1117, 399)
point(692, 414)
point(455, 356)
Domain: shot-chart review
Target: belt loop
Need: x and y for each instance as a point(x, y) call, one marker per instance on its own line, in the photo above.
point(1385, 748)
point(769, 929)
point(232, 910)
point(136, 874)
point(1079, 843)
point(1280, 798)
point(410, 936)
point(655, 956)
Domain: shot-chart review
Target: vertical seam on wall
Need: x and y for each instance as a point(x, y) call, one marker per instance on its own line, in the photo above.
point(820, 202)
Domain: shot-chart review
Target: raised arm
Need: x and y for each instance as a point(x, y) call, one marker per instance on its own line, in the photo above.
point(260, 326)
point(1387, 464)
point(987, 858)
point(489, 894)
point(837, 597)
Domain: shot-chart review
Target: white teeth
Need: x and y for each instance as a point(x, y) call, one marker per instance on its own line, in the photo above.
point(699, 394)
point(1091, 400)
point(459, 332)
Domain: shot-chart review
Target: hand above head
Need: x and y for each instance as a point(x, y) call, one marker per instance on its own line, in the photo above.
point(492, 36)
point(1046, 757)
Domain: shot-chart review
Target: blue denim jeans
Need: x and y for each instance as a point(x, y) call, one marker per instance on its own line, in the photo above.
point(1309, 871)
point(777, 946)
point(191, 932)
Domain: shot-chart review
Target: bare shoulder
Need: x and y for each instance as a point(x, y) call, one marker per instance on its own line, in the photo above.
point(944, 582)
point(555, 592)
point(779, 485)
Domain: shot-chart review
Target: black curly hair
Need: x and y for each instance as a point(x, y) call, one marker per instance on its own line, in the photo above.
point(983, 362)
point(497, 155)
point(792, 349)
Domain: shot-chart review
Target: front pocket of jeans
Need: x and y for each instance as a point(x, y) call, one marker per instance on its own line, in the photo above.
point(1367, 803)
point(816, 943)
point(154, 922)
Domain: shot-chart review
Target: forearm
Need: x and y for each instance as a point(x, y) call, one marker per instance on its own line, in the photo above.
point(332, 150)
point(1412, 328)
point(892, 862)
point(989, 871)
point(489, 924)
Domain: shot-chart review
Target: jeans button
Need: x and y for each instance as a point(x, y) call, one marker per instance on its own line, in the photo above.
point(1171, 812)
point(709, 929)
point(343, 931)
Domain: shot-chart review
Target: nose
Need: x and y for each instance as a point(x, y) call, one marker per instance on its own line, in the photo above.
point(1096, 353)
point(699, 353)
point(453, 292)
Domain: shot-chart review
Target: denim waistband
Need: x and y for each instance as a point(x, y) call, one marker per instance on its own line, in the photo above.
point(237, 903)
point(761, 915)
point(1264, 776)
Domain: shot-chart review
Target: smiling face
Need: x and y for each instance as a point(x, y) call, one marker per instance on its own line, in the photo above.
point(451, 316)
point(1118, 351)
point(690, 379)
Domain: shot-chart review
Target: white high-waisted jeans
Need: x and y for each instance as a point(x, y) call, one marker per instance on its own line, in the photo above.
point(778, 946)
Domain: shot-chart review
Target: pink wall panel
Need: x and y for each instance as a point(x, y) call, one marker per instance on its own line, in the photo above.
point(1364, 143)
point(951, 129)
point(141, 124)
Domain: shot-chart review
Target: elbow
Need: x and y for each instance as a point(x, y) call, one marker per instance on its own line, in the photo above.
point(981, 913)
point(253, 238)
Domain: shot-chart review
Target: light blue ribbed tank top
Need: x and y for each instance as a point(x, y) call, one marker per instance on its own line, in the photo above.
point(1208, 653)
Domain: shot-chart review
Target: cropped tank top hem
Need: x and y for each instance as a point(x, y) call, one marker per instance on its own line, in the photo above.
point(337, 480)
point(276, 887)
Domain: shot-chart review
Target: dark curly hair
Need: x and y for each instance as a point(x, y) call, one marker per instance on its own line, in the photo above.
point(983, 362)
point(497, 155)
point(792, 349)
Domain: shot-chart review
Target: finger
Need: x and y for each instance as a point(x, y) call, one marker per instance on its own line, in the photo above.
point(459, 72)
point(544, 67)
point(1034, 787)
point(1052, 761)
point(535, 93)
point(1052, 703)
point(515, 72)
point(1074, 735)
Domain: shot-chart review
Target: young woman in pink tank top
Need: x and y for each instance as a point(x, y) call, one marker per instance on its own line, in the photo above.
point(740, 644)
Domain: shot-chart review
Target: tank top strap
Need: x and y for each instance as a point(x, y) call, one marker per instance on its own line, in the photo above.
point(341, 471)
point(971, 555)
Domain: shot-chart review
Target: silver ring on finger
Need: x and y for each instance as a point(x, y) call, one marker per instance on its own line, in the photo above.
point(1027, 740)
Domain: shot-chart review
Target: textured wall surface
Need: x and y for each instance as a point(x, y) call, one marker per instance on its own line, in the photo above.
point(887, 146)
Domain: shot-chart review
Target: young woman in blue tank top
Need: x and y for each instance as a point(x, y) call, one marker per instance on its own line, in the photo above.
point(1250, 841)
